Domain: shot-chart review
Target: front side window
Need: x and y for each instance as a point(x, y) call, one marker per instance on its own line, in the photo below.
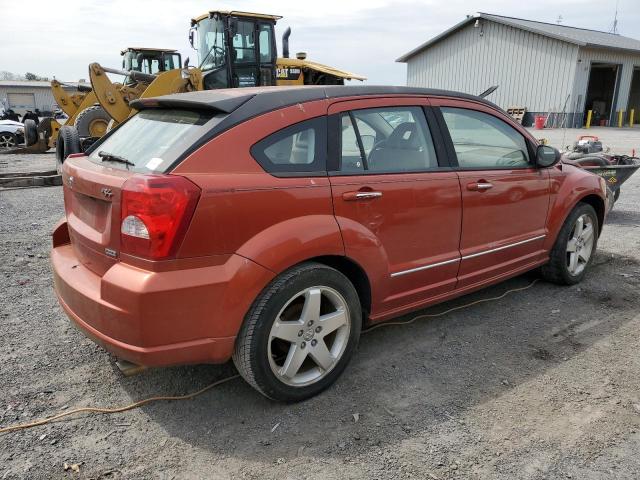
point(295, 149)
point(386, 140)
point(171, 61)
point(484, 141)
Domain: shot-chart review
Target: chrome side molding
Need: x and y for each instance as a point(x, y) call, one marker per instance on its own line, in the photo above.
point(466, 257)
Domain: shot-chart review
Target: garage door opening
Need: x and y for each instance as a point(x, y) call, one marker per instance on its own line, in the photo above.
point(634, 94)
point(21, 102)
point(602, 92)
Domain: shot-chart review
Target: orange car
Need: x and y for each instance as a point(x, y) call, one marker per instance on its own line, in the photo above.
point(270, 225)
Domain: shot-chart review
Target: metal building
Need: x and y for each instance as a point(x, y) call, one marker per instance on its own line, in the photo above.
point(543, 67)
point(23, 95)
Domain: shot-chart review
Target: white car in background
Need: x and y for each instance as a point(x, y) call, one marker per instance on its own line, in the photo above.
point(11, 133)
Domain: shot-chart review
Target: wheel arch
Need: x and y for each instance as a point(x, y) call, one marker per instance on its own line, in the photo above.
point(568, 196)
point(598, 205)
point(356, 275)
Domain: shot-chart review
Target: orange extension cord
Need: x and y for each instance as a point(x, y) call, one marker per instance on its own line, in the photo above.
point(189, 396)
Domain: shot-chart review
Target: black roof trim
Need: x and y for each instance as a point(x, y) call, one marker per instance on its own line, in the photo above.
point(241, 104)
point(246, 103)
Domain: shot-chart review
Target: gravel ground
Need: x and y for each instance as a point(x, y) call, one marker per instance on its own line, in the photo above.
point(541, 384)
point(33, 162)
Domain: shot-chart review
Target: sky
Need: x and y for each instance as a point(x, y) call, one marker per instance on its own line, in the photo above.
point(60, 39)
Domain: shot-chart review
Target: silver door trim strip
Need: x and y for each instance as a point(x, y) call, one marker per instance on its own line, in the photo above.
point(425, 267)
point(504, 247)
point(466, 257)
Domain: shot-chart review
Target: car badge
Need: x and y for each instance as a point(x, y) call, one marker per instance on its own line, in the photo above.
point(106, 192)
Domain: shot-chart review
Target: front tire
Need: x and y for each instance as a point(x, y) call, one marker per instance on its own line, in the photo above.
point(300, 333)
point(574, 248)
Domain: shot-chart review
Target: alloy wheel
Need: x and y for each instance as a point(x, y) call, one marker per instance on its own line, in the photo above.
point(309, 336)
point(580, 244)
point(7, 140)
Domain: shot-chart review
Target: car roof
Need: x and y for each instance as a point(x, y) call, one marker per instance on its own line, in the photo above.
point(241, 104)
point(255, 101)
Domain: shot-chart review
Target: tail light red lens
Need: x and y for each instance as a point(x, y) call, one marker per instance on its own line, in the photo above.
point(156, 211)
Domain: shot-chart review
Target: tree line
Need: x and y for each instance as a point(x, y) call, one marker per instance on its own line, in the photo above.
point(4, 75)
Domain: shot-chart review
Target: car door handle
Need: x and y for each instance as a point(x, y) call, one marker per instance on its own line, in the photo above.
point(479, 186)
point(352, 196)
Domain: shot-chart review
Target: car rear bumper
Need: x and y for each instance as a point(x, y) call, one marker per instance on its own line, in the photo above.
point(159, 318)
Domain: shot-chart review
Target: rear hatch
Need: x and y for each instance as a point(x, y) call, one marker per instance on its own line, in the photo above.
point(148, 145)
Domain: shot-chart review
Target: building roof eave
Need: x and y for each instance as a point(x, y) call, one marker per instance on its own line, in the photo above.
point(491, 18)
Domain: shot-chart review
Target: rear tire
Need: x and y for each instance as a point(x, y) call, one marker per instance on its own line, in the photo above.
point(300, 333)
point(92, 122)
point(575, 247)
point(68, 142)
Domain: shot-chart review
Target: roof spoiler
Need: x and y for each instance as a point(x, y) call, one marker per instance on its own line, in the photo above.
point(182, 101)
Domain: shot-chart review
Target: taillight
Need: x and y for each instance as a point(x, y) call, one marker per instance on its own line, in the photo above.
point(156, 211)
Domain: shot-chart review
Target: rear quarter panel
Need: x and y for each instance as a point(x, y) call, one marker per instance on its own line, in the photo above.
point(274, 221)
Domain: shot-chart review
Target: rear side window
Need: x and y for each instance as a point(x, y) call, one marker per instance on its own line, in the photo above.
point(386, 140)
point(484, 141)
point(151, 140)
point(298, 149)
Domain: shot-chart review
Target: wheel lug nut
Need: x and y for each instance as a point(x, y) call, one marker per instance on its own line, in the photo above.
point(310, 322)
point(318, 329)
point(300, 333)
point(313, 342)
point(303, 344)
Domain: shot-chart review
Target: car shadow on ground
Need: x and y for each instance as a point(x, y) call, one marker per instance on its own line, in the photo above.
point(404, 380)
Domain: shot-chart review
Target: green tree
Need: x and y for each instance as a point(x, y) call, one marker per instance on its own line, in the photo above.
point(32, 77)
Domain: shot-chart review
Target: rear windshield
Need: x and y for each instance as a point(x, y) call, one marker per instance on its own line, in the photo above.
point(152, 140)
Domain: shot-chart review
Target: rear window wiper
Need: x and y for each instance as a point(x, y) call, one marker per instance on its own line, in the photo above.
point(110, 157)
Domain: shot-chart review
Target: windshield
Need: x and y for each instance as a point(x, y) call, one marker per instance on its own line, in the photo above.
point(150, 62)
point(151, 140)
point(211, 47)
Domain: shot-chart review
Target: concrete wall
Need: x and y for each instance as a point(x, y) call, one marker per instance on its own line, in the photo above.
point(532, 70)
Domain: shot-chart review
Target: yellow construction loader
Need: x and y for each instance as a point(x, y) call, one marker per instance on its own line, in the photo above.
point(235, 49)
point(238, 49)
point(83, 109)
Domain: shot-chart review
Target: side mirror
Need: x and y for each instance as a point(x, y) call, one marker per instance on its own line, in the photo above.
point(546, 156)
point(191, 38)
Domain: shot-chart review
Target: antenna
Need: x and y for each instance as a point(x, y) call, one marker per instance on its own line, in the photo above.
point(559, 19)
point(614, 27)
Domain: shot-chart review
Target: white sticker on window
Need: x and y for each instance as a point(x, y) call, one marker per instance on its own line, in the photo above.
point(153, 163)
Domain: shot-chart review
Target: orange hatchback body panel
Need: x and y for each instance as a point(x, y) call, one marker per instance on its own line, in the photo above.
point(424, 237)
